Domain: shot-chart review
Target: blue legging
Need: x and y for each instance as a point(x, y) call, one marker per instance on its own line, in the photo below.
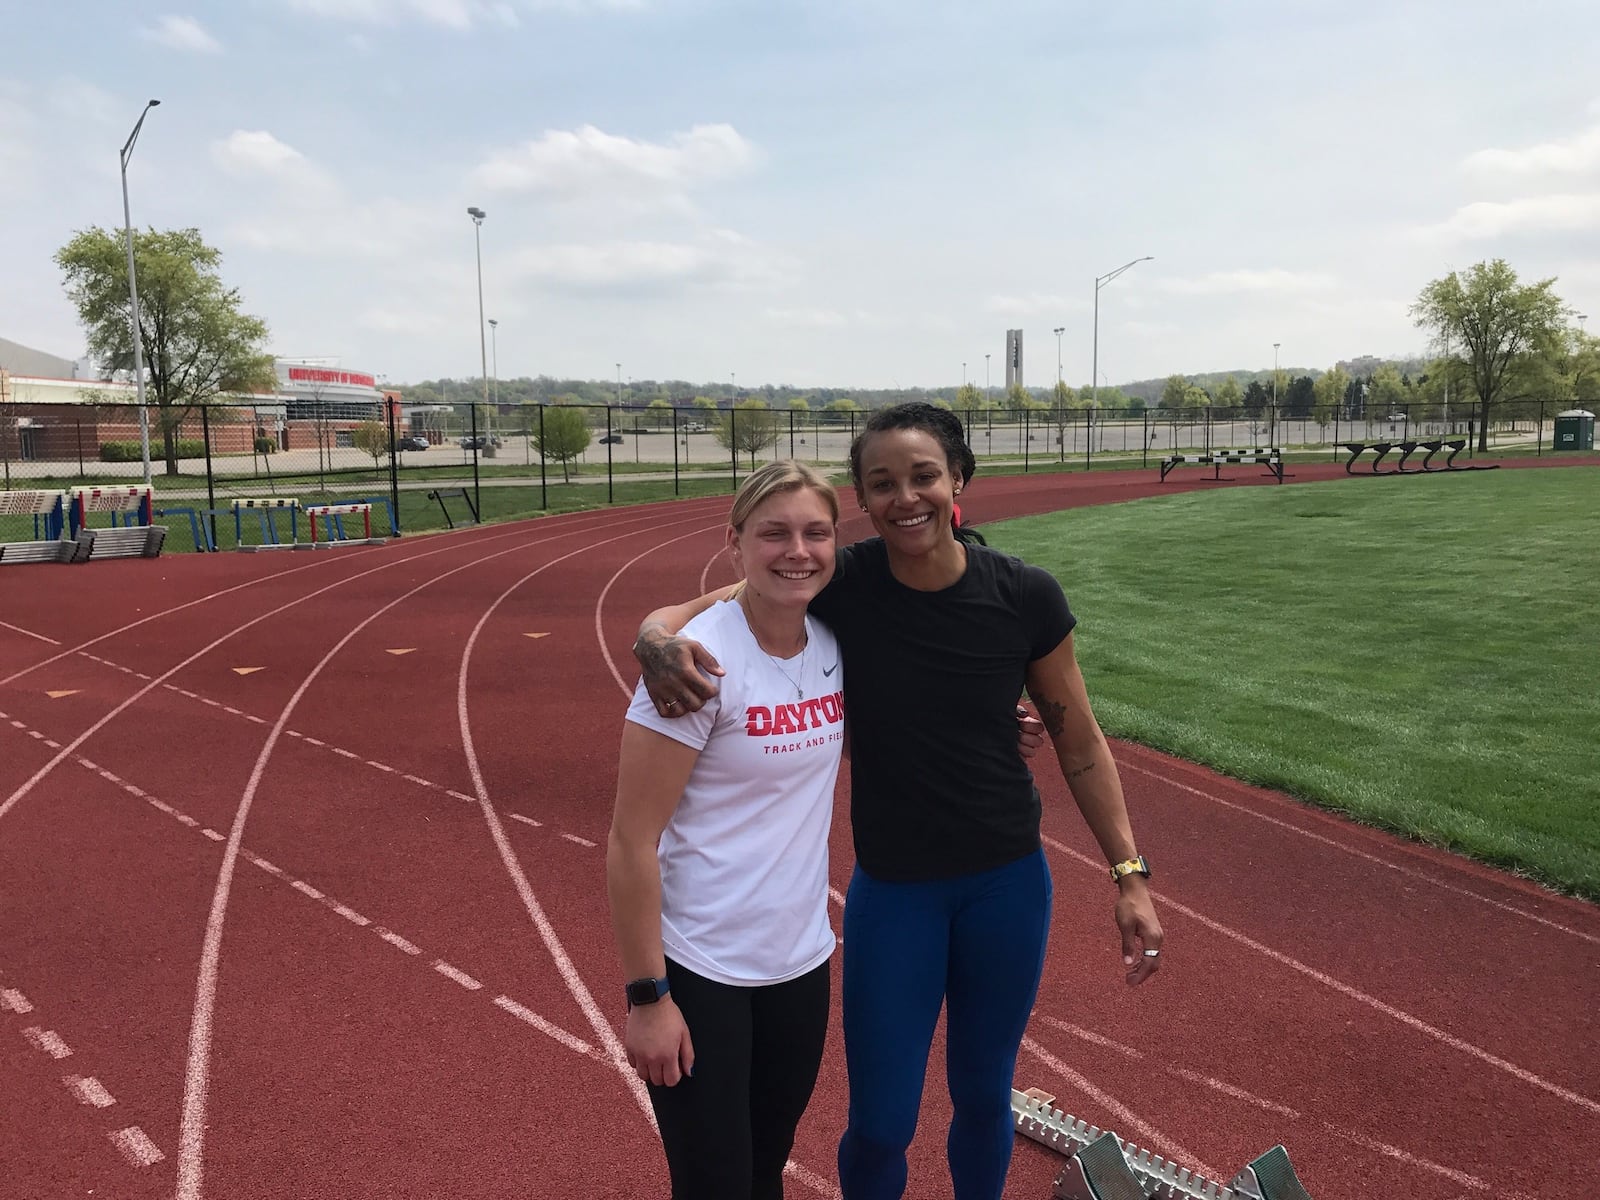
point(974, 944)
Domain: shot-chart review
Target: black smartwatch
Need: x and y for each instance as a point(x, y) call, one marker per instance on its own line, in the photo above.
point(646, 991)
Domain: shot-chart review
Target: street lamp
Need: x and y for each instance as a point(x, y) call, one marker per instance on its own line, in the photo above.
point(1059, 330)
point(1100, 282)
point(494, 359)
point(986, 394)
point(133, 295)
point(477, 215)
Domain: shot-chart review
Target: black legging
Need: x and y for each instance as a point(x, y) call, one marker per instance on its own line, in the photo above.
point(728, 1129)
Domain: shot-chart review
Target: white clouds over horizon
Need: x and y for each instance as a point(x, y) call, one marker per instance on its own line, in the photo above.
point(182, 33)
point(590, 163)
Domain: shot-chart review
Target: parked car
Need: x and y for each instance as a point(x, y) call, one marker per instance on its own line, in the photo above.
point(611, 439)
point(413, 442)
point(481, 442)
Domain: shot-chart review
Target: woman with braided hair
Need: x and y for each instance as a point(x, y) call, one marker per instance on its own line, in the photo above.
point(949, 903)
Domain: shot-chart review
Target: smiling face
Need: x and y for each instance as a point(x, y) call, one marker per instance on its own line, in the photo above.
point(908, 488)
point(785, 547)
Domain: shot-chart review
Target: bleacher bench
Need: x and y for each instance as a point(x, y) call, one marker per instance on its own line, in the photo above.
point(1270, 457)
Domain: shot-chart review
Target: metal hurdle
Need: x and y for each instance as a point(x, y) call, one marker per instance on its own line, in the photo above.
point(137, 536)
point(1101, 1166)
point(48, 510)
point(265, 509)
point(333, 516)
point(1270, 457)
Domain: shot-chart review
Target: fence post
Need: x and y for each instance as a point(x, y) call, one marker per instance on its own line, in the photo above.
point(211, 493)
point(394, 466)
point(1027, 440)
point(544, 495)
point(733, 444)
point(1538, 449)
point(675, 490)
point(610, 476)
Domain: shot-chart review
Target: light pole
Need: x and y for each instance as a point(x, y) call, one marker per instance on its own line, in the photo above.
point(1100, 282)
point(477, 215)
point(133, 295)
point(494, 359)
point(986, 394)
point(1059, 330)
point(1272, 426)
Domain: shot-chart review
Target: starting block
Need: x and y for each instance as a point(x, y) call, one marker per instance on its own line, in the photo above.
point(1101, 1166)
point(332, 515)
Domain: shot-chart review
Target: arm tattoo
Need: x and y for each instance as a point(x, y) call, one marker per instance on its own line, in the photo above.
point(1072, 776)
point(1052, 714)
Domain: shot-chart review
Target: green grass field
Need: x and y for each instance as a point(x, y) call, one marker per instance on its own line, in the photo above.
point(1423, 655)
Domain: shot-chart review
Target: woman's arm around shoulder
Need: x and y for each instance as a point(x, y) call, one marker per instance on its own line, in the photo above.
point(1056, 687)
point(675, 668)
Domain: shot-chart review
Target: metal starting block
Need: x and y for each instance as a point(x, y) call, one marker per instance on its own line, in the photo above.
point(1101, 1166)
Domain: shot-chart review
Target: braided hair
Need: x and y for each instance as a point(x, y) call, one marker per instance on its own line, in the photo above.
point(940, 423)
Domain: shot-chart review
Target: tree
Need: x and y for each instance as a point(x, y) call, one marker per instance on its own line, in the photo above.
point(1301, 395)
point(799, 404)
point(1330, 388)
point(660, 410)
point(561, 436)
point(197, 343)
point(705, 403)
point(1497, 321)
point(1386, 391)
point(749, 428)
point(1175, 392)
point(1256, 398)
point(968, 397)
point(372, 437)
point(1229, 395)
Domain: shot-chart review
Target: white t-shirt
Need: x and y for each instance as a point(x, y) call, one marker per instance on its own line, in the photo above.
point(744, 859)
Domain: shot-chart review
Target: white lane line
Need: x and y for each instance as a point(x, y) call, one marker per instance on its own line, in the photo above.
point(1150, 1136)
point(339, 750)
point(47, 1040)
point(530, 902)
point(418, 779)
point(1335, 843)
point(461, 795)
point(213, 834)
point(572, 837)
point(461, 977)
point(28, 633)
point(269, 867)
point(136, 1147)
point(1356, 994)
point(89, 1090)
point(1394, 1152)
point(801, 1174)
point(92, 766)
point(1227, 1089)
point(372, 762)
point(186, 819)
point(526, 820)
point(568, 1040)
point(1086, 1035)
point(349, 914)
point(14, 1001)
point(311, 741)
point(394, 939)
point(300, 885)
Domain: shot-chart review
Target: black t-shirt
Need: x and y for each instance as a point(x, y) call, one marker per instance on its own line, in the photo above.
point(931, 683)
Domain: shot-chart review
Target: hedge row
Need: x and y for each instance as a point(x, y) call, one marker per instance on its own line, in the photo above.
point(132, 452)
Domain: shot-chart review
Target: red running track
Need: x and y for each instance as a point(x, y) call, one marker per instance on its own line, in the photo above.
point(336, 926)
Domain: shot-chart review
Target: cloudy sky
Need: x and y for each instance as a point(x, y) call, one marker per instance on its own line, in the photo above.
point(818, 192)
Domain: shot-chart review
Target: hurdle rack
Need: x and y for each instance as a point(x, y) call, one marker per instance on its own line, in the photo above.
point(1101, 1166)
point(63, 518)
point(48, 512)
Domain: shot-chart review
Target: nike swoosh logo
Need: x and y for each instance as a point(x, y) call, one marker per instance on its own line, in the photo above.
point(830, 670)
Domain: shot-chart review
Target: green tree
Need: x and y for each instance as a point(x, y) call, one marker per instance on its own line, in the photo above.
point(1257, 399)
point(371, 437)
point(705, 403)
point(660, 410)
point(968, 398)
point(1498, 322)
point(799, 404)
point(197, 343)
point(748, 428)
point(1330, 388)
point(1387, 391)
point(1175, 393)
point(564, 435)
point(1229, 394)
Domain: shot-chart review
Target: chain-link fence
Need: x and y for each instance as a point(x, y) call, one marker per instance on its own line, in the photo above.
point(437, 466)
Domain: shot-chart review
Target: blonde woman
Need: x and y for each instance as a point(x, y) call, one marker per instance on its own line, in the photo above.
point(717, 861)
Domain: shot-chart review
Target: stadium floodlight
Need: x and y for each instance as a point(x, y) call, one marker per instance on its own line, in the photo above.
point(1100, 282)
point(133, 294)
point(477, 215)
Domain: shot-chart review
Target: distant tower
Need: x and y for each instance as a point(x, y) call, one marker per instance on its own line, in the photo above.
point(1013, 358)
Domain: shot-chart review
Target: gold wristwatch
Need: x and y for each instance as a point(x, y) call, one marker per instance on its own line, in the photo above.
point(1130, 866)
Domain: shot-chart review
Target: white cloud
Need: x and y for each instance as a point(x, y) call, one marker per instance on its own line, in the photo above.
point(1574, 155)
point(718, 258)
point(182, 33)
point(257, 154)
point(590, 162)
point(1223, 283)
point(807, 318)
point(448, 14)
point(1031, 305)
point(1567, 213)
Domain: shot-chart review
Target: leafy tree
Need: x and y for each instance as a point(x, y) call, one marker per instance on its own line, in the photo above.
point(1228, 394)
point(660, 410)
point(748, 428)
point(1330, 388)
point(705, 403)
point(1497, 321)
point(197, 343)
point(1257, 399)
point(373, 438)
point(565, 436)
point(799, 404)
point(1386, 391)
point(1175, 392)
point(968, 397)
point(1299, 398)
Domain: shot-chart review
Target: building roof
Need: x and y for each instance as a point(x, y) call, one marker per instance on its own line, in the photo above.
point(22, 360)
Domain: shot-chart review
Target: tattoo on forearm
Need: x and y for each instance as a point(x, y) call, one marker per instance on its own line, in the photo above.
point(1072, 776)
point(1052, 714)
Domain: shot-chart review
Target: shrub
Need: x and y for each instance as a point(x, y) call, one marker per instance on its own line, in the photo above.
point(265, 445)
point(130, 451)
